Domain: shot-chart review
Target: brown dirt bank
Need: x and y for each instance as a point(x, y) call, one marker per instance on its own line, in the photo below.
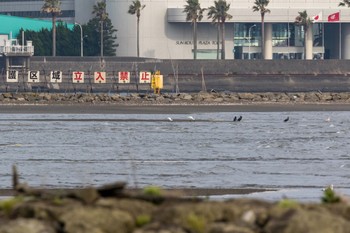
point(72, 108)
point(172, 103)
point(186, 192)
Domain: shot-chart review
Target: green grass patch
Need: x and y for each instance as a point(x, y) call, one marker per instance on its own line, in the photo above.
point(154, 191)
point(329, 196)
point(142, 220)
point(288, 203)
point(195, 223)
point(8, 205)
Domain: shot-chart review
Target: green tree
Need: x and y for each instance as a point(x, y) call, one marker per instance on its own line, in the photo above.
point(194, 13)
point(92, 43)
point(305, 21)
point(344, 3)
point(41, 40)
point(135, 9)
point(219, 14)
point(52, 7)
point(68, 41)
point(261, 6)
point(99, 10)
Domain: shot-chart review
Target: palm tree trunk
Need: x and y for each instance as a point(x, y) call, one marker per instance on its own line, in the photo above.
point(223, 40)
point(195, 40)
point(53, 34)
point(308, 43)
point(263, 36)
point(218, 40)
point(138, 37)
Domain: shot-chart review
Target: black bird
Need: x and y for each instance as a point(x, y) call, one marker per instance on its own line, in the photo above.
point(287, 119)
point(235, 118)
point(239, 118)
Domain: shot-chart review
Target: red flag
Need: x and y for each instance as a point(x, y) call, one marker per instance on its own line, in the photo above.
point(317, 18)
point(334, 17)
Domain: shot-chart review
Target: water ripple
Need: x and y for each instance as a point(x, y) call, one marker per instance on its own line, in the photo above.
point(262, 151)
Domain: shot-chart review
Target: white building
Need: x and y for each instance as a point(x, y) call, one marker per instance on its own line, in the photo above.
point(164, 32)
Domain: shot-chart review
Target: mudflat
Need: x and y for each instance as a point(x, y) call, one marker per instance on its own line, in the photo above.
point(166, 109)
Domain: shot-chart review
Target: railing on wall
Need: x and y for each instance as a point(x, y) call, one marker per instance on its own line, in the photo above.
point(17, 50)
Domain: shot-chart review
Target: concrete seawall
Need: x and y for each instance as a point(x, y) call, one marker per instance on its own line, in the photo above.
point(193, 76)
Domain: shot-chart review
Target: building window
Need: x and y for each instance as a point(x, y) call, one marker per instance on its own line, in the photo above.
point(287, 40)
point(246, 34)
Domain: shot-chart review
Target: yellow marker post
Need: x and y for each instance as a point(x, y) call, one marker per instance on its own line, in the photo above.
point(157, 82)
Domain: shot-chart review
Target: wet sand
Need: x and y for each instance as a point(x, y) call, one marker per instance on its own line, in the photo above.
point(167, 109)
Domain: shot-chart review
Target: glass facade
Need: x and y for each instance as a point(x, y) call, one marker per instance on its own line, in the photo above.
point(246, 34)
point(287, 40)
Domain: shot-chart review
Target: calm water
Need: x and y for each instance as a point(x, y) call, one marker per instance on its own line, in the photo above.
point(298, 157)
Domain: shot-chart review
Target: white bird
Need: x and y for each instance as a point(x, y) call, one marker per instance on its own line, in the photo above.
point(328, 119)
point(191, 118)
point(170, 119)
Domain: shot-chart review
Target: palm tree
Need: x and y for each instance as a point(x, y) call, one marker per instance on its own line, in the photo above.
point(305, 21)
point(100, 11)
point(344, 3)
point(135, 8)
point(52, 7)
point(194, 13)
point(219, 13)
point(260, 5)
point(213, 13)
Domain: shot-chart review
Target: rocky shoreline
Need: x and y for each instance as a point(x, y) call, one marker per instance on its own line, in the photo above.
point(212, 98)
point(112, 208)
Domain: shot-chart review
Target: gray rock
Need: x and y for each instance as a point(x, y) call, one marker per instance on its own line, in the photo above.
point(297, 220)
point(187, 97)
point(311, 97)
point(96, 220)
point(218, 100)
point(21, 225)
point(228, 228)
point(7, 95)
point(246, 96)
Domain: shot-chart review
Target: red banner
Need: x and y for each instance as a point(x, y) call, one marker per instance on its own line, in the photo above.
point(334, 17)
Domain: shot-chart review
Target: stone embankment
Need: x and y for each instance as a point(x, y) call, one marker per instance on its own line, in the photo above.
point(172, 98)
point(112, 209)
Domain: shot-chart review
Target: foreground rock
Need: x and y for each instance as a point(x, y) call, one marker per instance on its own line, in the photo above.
point(112, 209)
point(172, 98)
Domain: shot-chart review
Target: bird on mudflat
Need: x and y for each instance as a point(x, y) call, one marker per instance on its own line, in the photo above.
point(191, 118)
point(239, 118)
point(170, 119)
point(287, 119)
point(235, 118)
